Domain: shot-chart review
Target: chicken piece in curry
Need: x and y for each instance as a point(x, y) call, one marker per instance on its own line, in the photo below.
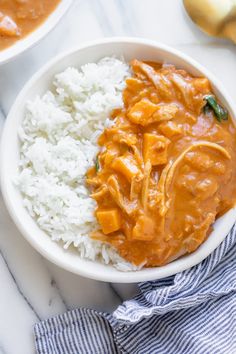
point(18, 18)
point(166, 167)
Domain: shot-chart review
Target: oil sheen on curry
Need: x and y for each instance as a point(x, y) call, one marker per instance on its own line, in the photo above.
point(166, 167)
point(18, 18)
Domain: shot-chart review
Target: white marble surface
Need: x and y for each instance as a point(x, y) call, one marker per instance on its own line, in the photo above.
point(31, 287)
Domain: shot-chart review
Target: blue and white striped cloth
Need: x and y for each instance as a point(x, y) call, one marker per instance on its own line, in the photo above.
point(193, 312)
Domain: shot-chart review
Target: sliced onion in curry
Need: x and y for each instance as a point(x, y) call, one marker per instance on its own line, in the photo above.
point(171, 171)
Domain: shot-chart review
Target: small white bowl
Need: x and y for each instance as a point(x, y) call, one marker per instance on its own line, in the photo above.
point(36, 35)
point(129, 48)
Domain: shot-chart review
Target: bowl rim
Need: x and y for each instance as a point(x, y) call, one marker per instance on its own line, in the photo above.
point(119, 277)
point(19, 47)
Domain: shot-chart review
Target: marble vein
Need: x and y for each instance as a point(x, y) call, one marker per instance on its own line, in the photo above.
point(58, 290)
point(20, 291)
point(101, 16)
point(116, 292)
point(2, 350)
point(2, 113)
point(2, 119)
point(127, 14)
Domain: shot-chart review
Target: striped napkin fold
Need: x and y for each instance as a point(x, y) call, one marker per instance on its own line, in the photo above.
point(193, 312)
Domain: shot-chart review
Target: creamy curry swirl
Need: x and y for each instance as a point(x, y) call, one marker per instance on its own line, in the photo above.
point(166, 168)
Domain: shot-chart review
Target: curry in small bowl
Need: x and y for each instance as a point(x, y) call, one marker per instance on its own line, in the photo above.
point(18, 18)
point(166, 168)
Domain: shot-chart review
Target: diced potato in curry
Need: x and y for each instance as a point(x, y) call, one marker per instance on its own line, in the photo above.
point(167, 166)
point(144, 229)
point(155, 149)
point(145, 112)
point(142, 111)
point(126, 165)
point(109, 220)
point(169, 129)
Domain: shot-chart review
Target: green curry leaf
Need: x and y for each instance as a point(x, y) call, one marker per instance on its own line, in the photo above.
point(211, 103)
point(97, 164)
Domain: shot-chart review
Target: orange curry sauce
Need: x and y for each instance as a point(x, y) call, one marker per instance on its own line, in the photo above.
point(20, 17)
point(166, 169)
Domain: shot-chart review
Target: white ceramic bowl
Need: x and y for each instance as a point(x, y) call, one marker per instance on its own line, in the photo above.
point(35, 36)
point(129, 48)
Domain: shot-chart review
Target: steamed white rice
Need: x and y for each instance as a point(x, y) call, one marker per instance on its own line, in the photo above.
point(59, 143)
